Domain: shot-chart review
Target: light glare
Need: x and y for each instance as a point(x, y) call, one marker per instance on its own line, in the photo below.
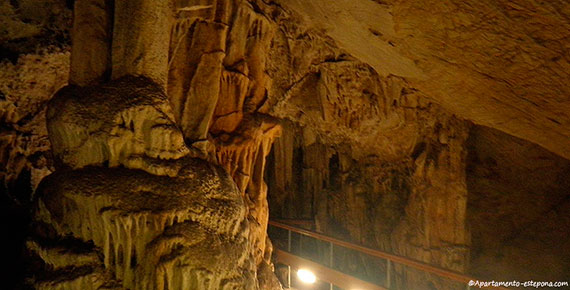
point(306, 276)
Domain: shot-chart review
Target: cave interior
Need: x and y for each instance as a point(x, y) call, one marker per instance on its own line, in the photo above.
point(146, 144)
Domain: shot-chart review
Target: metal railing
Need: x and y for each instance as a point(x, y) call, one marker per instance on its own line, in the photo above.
point(390, 258)
point(324, 273)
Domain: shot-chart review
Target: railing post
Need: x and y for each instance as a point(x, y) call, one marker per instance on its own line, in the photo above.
point(331, 259)
point(289, 266)
point(388, 273)
point(390, 258)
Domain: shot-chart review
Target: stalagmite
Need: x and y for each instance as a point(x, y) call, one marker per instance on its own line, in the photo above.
point(140, 39)
point(91, 57)
point(165, 211)
point(126, 188)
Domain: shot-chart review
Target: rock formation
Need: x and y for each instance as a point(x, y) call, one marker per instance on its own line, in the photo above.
point(501, 64)
point(437, 130)
point(378, 160)
point(143, 79)
point(127, 207)
point(391, 176)
point(508, 174)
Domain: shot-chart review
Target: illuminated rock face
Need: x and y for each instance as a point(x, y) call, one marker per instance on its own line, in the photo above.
point(151, 84)
point(134, 230)
point(391, 178)
point(128, 122)
point(218, 85)
point(136, 214)
point(497, 63)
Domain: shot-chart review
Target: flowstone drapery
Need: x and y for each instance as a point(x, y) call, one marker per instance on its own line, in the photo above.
point(159, 144)
point(128, 207)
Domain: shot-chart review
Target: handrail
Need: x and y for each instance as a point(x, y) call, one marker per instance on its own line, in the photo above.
point(296, 222)
point(455, 276)
point(325, 273)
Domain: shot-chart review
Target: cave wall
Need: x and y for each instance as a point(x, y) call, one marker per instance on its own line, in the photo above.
point(413, 204)
point(373, 160)
point(517, 208)
point(502, 64)
point(34, 64)
point(368, 158)
point(514, 198)
point(99, 121)
point(26, 87)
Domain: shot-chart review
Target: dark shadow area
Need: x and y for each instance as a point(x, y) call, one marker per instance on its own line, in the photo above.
point(15, 217)
point(518, 208)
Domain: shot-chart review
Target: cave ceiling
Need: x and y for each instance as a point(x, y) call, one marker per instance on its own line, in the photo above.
point(501, 64)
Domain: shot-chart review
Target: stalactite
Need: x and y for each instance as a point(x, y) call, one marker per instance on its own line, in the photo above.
point(151, 222)
point(386, 197)
point(244, 155)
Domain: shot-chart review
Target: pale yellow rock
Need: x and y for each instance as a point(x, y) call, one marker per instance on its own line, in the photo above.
point(148, 231)
point(128, 122)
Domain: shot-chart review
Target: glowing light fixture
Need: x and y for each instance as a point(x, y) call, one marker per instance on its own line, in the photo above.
point(306, 276)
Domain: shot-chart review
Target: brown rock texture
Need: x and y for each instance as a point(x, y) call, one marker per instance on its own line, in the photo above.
point(437, 130)
point(128, 122)
point(110, 119)
point(369, 158)
point(501, 64)
point(134, 230)
point(131, 210)
point(517, 209)
point(27, 86)
point(34, 63)
point(217, 85)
